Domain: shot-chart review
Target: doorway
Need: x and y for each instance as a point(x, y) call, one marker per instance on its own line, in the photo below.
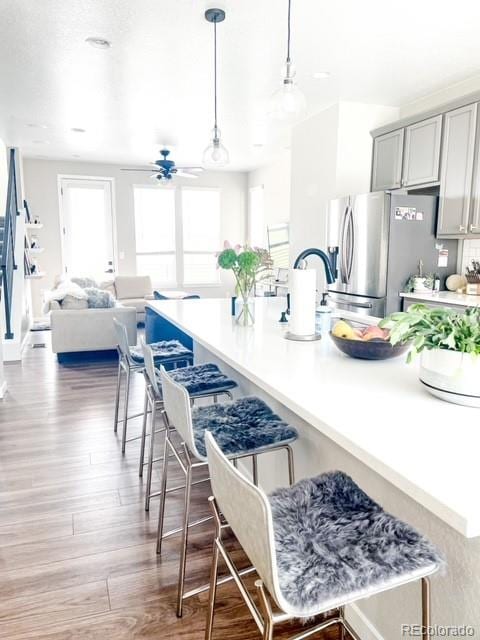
point(86, 214)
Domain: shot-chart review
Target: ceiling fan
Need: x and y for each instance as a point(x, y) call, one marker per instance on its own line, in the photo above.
point(165, 169)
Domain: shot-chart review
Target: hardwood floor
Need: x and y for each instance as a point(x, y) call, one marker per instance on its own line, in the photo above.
point(77, 549)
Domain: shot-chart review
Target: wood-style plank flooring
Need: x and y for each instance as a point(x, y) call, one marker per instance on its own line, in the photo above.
point(77, 549)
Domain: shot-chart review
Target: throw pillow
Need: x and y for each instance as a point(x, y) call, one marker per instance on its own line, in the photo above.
point(70, 302)
point(98, 299)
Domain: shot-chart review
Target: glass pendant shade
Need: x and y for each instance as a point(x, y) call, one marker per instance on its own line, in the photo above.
point(288, 103)
point(215, 155)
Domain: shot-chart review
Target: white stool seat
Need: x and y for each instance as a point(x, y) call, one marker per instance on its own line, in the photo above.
point(335, 545)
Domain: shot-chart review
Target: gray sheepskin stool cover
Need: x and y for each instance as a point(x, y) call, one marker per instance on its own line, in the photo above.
point(333, 541)
point(202, 378)
point(163, 350)
point(241, 426)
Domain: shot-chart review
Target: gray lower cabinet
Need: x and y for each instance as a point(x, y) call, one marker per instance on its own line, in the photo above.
point(457, 172)
point(387, 161)
point(408, 302)
point(421, 157)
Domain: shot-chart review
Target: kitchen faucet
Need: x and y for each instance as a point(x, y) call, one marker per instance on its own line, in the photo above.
point(301, 264)
point(324, 258)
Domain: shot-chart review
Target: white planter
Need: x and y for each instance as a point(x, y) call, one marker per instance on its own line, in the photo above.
point(451, 376)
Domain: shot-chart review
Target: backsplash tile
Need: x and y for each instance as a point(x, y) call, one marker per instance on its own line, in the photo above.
point(471, 251)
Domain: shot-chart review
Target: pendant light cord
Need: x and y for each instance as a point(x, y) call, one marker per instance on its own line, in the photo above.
point(289, 30)
point(215, 71)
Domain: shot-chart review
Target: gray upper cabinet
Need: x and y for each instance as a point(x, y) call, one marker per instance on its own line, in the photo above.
point(456, 171)
point(421, 157)
point(387, 161)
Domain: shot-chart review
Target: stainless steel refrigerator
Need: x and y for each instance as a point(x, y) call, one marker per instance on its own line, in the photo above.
point(375, 241)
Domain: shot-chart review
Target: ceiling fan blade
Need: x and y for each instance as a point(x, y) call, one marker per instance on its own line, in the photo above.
point(192, 169)
point(149, 170)
point(185, 174)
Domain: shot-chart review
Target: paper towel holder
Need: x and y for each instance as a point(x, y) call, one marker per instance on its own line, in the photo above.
point(299, 264)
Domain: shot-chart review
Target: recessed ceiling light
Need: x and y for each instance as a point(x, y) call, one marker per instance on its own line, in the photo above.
point(77, 130)
point(98, 43)
point(34, 125)
point(321, 75)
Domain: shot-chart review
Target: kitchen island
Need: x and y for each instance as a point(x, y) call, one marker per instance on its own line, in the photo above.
point(416, 455)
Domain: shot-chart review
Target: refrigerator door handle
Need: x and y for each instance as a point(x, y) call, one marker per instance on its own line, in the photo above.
point(360, 305)
point(343, 247)
point(351, 244)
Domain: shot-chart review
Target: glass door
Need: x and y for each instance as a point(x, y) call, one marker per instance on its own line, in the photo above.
point(87, 227)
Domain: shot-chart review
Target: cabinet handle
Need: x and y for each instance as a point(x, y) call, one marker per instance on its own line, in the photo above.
point(473, 227)
point(461, 227)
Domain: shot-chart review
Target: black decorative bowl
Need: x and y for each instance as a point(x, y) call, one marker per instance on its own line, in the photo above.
point(369, 349)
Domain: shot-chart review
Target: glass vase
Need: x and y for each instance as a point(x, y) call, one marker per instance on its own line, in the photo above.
point(245, 310)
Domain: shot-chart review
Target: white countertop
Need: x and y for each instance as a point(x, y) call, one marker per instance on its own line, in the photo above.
point(377, 411)
point(445, 297)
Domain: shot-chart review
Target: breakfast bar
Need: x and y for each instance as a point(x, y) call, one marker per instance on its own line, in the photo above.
point(411, 443)
point(413, 453)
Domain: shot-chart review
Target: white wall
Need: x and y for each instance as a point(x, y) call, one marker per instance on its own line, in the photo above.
point(275, 178)
point(331, 157)
point(41, 187)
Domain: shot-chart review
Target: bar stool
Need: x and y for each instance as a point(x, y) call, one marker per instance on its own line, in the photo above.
point(200, 381)
point(245, 428)
point(130, 360)
point(318, 545)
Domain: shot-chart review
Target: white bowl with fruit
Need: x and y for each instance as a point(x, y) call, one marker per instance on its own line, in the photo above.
point(366, 343)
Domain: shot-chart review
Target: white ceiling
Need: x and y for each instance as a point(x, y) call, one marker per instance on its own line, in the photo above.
point(155, 84)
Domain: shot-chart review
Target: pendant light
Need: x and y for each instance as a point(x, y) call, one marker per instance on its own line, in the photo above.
point(288, 102)
point(215, 155)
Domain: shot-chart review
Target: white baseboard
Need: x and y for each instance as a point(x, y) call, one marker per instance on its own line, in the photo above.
point(361, 624)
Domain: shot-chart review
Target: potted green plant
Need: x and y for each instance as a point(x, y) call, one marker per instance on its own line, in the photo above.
point(449, 346)
point(249, 266)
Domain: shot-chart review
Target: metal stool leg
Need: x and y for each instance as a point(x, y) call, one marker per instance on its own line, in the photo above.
point(213, 579)
point(291, 466)
point(255, 470)
point(426, 605)
point(117, 395)
point(266, 611)
point(144, 432)
point(186, 517)
point(125, 409)
point(148, 488)
point(163, 492)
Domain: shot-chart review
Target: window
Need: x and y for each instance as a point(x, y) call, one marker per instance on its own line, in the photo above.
point(201, 235)
point(155, 233)
point(279, 245)
point(177, 234)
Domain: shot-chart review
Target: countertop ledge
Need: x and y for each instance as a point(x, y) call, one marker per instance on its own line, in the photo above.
point(377, 411)
point(445, 297)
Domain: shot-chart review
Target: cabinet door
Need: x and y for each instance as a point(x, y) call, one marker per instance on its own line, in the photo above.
point(421, 158)
point(387, 161)
point(456, 172)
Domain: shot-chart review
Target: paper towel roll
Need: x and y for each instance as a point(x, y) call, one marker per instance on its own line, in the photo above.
point(302, 285)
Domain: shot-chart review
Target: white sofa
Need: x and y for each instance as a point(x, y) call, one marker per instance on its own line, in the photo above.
point(90, 329)
point(133, 291)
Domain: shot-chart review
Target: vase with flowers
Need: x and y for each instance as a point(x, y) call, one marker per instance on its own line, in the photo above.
point(249, 265)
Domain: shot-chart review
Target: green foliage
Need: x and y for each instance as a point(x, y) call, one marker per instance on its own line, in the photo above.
point(248, 264)
point(435, 328)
